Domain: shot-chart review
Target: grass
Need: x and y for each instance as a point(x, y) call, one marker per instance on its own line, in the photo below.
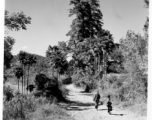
point(118, 87)
point(33, 109)
point(50, 112)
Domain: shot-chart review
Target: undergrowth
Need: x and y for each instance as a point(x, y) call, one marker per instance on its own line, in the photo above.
point(123, 93)
point(31, 108)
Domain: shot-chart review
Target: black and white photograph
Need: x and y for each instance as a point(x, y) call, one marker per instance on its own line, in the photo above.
point(75, 60)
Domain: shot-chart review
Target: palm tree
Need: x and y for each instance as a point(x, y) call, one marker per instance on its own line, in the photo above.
point(31, 59)
point(57, 59)
point(18, 73)
point(27, 60)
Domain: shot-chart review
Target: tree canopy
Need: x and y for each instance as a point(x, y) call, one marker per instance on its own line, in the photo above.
point(88, 21)
point(14, 21)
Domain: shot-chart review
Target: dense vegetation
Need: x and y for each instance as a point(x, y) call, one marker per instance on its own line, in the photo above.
point(116, 69)
point(37, 91)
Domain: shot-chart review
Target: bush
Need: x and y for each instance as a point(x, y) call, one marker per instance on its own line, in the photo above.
point(67, 81)
point(40, 81)
point(37, 93)
point(22, 107)
point(30, 87)
point(8, 92)
point(19, 107)
point(126, 92)
point(87, 82)
point(48, 88)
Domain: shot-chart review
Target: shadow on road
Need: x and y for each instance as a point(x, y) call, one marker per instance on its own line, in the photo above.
point(77, 106)
point(118, 114)
point(87, 94)
point(80, 104)
point(102, 109)
point(73, 108)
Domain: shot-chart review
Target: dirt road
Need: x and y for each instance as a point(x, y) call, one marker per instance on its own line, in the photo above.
point(82, 108)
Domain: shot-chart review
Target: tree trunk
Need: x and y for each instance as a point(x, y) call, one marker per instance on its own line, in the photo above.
point(28, 78)
point(25, 81)
point(22, 79)
point(18, 84)
point(22, 84)
point(87, 89)
point(53, 71)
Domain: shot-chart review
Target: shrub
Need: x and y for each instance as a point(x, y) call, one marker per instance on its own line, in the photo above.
point(48, 88)
point(40, 81)
point(19, 107)
point(8, 92)
point(67, 81)
point(89, 83)
point(30, 87)
point(22, 106)
point(38, 93)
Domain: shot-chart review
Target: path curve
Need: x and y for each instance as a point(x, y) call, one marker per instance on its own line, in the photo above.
point(82, 108)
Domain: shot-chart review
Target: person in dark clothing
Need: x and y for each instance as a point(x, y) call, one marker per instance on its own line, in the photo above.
point(109, 105)
point(97, 99)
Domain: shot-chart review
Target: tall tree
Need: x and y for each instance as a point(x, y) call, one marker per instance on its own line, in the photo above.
point(135, 52)
point(26, 60)
point(15, 21)
point(88, 21)
point(22, 58)
point(57, 59)
point(89, 43)
point(8, 45)
point(18, 73)
point(30, 60)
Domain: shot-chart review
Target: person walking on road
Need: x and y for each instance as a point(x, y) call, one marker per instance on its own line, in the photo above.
point(109, 105)
point(97, 99)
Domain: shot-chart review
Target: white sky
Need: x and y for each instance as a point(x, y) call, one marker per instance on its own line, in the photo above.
point(50, 22)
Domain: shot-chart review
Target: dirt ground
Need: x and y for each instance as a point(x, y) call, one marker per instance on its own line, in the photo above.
point(82, 108)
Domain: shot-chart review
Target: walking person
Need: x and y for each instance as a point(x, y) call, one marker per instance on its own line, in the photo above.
point(109, 105)
point(97, 99)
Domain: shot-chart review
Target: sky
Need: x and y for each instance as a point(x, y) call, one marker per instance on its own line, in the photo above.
point(50, 21)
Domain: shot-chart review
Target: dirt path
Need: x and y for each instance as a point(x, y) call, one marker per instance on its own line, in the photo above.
point(82, 108)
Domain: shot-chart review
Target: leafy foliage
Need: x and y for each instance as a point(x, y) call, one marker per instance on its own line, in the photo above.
point(40, 81)
point(18, 72)
point(87, 22)
point(26, 60)
point(16, 21)
point(22, 107)
point(8, 92)
point(48, 87)
point(89, 43)
point(8, 44)
point(42, 65)
point(135, 51)
point(58, 58)
point(147, 3)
